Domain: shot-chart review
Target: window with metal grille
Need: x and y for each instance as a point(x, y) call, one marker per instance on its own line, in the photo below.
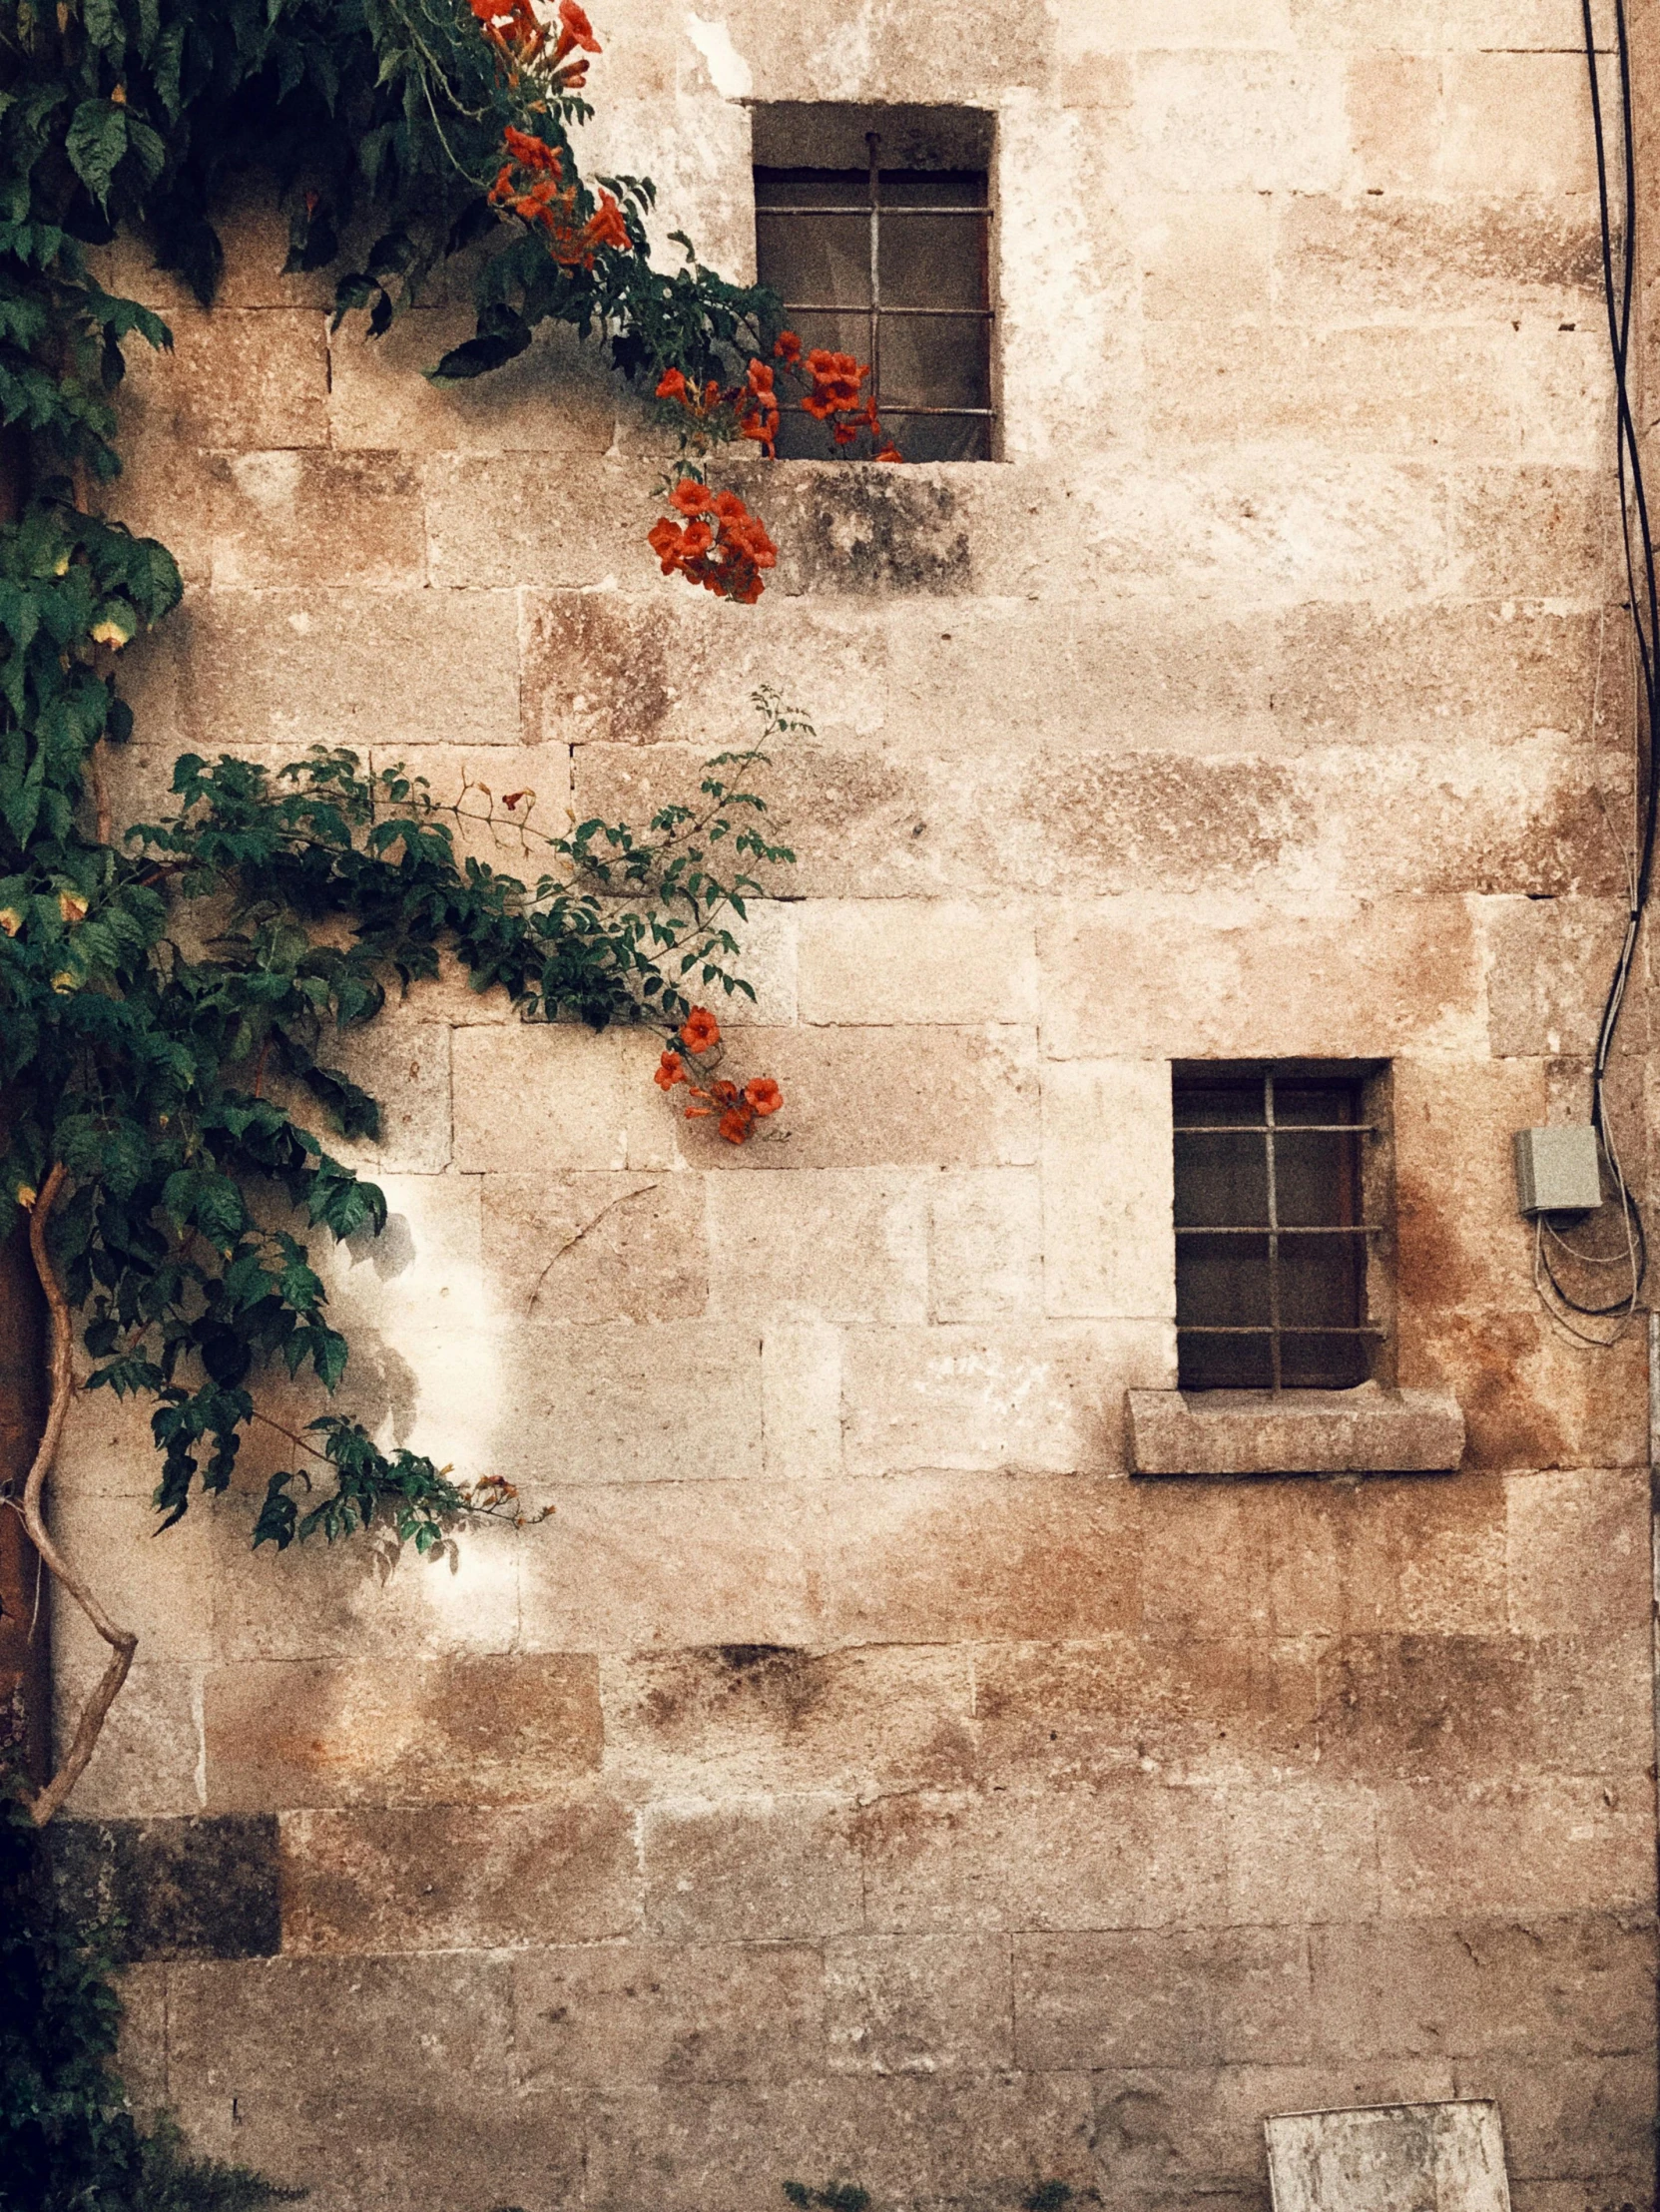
point(888, 260)
point(1273, 1239)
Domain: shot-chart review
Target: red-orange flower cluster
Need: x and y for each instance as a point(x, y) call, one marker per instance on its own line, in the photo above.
point(726, 555)
point(739, 1107)
point(757, 408)
point(837, 381)
point(529, 185)
point(513, 29)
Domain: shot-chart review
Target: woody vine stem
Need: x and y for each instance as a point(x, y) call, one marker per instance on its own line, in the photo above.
point(163, 1100)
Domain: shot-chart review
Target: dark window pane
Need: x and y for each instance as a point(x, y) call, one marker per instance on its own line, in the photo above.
point(931, 361)
point(1222, 1282)
point(1224, 1362)
point(940, 437)
point(1221, 1180)
point(1310, 1361)
point(1320, 1281)
point(820, 260)
point(1297, 1101)
point(935, 188)
point(1315, 1177)
point(933, 260)
point(1208, 1104)
point(1308, 1281)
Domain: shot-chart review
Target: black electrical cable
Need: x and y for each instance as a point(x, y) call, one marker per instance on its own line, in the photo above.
point(1619, 278)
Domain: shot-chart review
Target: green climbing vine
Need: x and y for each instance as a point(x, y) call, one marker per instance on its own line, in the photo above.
point(164, 1080)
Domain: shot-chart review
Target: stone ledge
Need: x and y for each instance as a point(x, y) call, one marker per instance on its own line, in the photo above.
point(1370, 1430)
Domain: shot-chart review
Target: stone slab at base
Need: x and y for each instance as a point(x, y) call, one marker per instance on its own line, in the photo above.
point(1369, 1430)
point(1390, 2158)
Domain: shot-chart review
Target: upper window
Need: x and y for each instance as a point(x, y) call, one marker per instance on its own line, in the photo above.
point(874, 226)
point(1279, 1183)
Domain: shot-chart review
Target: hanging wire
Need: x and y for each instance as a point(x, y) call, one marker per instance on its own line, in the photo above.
point(1643, 598)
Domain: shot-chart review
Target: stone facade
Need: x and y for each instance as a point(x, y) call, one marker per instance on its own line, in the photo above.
point(862, 1773)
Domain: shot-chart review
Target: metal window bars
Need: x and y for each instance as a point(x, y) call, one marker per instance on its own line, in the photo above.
point(1271, 1234)
point(877, 311)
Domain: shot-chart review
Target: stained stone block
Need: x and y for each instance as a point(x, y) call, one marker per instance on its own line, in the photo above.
point(199, 1888)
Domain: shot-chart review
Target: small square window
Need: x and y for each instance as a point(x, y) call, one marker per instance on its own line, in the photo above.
point(1280, 1183)
point(874, 226)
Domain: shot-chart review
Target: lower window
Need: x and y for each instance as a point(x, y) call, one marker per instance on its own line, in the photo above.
point(1280, 1180)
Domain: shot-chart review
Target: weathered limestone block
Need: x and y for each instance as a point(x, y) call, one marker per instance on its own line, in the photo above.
point(1134, 1854)
point(554, 403)
point(1363, 260)
point(308, 519)
point(1460, 1244)
point(1548, 1987)
point(598, 2016)
point(1151, 1998)
point(148, 1760)
point(801, 1400)
point(538, 1097)
point(912, 2139)
point(919, 1097)
point(985, 1244)
point(382, 668)
point(1302, 1854)
point(494, 1731)
point(884, 961)
point(161, 1587)
point(1530, 1396)
point(1578, 1551)
point(1517, 122)
point(918, 2005)
point(1023, 1398)
point(831, 1243)
point(1591, 2115)
point(1527, 533)
point(1549, 960)
point(354, 1600)
point(235, 378)
point(1520, 1847)
point(1109, 1250)
point(748, 1717)
point(626, 1567)
point(1482, 1708)
point(1400, 389)
point(960, 1557)
point(1242, 527)
point(204, 1887)
point(1311, 1559)
point(593, 1247)
point(1154, 977)
point(619, 668)
point(341, 2067)
point(1210, 245)
point(1091, 1713)
point(455, 1877)
point(1233, 122)
point(404, 1062)
point(679, 1402)
point(490, 521)
point(1436, 26)
point(771, 1869)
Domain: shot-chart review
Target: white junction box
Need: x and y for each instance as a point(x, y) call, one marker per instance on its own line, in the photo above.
point(1557, 1169)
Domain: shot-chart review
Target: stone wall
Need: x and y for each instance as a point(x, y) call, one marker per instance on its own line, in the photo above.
point(859, 1773)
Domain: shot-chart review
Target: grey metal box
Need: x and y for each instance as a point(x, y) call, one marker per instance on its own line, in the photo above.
point(1557, 1170)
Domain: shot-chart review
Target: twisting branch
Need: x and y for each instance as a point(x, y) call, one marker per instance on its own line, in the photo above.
point(122, 1641)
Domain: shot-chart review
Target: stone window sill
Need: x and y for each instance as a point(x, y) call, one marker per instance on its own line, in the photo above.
point(1370, 1430)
